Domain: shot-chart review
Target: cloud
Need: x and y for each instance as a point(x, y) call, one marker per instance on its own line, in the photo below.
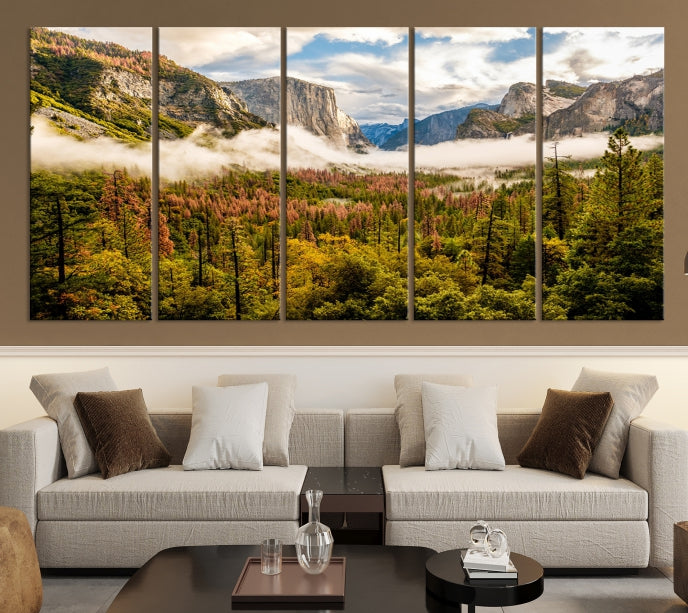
point(474, 35)
point(224, 54)
point(456, 67)
point(362, 65)
point(369, 36)
point(140, 39)
point(206, 153)
point(299, 38)
point(589, 55)
point(369, 88)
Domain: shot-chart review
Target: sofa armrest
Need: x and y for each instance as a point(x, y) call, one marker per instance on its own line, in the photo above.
point(657, 460)
point(30, 459)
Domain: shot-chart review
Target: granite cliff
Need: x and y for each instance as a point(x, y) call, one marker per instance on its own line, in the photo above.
point(636, 103)
point(309, 105)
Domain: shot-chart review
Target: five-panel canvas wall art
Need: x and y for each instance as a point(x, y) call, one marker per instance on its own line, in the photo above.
point(336, 217)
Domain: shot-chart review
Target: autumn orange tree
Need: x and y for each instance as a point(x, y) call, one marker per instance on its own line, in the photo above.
point(220, 259)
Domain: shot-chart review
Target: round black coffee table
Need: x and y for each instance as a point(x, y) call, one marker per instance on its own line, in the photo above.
point(448, 587)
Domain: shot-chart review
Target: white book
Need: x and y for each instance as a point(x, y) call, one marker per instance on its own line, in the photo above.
point(473, 573)
point(478, 559)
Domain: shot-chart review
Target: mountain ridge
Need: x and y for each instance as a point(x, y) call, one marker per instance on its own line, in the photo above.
point(110, 86)
point(378, 133)
point(635, 103)
point(89, 89)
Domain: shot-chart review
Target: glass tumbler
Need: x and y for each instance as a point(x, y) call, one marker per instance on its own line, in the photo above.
point(271, 557)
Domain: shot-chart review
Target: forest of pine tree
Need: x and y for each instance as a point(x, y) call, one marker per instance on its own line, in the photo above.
point(475, 249)
point(90, 245)
point(603, 236)
point(347, 244)
point(602, 242)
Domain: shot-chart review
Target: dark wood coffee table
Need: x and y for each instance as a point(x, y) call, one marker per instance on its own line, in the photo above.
point(185, 579)
point(449, 587)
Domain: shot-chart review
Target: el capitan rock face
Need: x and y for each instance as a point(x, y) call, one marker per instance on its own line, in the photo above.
point(309, 105)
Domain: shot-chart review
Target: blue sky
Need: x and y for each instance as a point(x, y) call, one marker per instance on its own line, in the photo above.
point(457, 67)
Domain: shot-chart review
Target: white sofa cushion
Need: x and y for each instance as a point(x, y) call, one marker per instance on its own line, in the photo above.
point(461, 427)
point(516, 493)
point(279, 415)
point(554, 544)
point(175, 494)
point(409, 412)
point(631, 392)
point(130, 544)
point(227, 426)
point(56, 393)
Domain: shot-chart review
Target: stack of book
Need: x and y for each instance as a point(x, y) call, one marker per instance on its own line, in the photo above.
point(479, 564)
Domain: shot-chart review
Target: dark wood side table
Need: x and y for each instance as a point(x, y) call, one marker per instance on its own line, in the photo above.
point(681, 560)
point(353, 503)
point(448, 587)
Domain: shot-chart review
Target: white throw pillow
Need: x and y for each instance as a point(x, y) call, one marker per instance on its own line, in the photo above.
point(631, 393)
point(461, 427)
point(56, 393)
point(279, 416)
point(409, 413)
point(227, 426)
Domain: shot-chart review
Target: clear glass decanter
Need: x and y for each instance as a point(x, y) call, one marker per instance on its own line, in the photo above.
point(314, 540)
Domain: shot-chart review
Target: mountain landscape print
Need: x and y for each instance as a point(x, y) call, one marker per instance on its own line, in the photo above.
point(477, 212)
point(475, 173)
point(90, 184)
point(347, 219)
point(604, 173)
point(219, 174)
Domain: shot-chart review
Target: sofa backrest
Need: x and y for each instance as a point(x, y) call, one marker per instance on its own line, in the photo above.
point(316, 437)
point(371, 436)
point(357, 437)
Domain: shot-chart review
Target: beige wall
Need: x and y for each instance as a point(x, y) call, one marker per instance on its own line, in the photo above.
point(343, 377)
point(16, 329)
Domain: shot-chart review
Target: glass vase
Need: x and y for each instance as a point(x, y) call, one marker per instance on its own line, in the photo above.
point(314, 540)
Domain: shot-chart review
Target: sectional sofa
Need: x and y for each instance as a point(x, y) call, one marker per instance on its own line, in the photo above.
point(595, 522)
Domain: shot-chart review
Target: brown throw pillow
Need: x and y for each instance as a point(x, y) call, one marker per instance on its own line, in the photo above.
point(120, 432)
point(567, 432)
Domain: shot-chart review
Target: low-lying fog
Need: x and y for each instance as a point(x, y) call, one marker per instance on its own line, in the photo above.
point(206, 153)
